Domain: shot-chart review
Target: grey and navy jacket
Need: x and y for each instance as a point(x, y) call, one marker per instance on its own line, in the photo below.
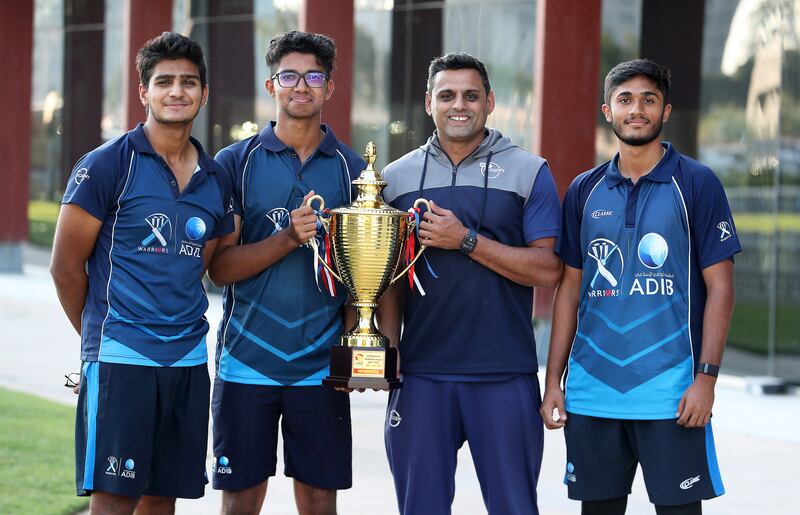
point(474, 323)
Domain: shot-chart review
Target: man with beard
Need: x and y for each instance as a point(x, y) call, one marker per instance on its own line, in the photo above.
point(642, 313)
point(468, 352)
point(140, 219)
point(278, 327)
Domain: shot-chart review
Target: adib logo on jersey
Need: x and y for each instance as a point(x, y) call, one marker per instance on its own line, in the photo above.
point(158, 234)
point(653, 251)
point(223, 465)
point(609, 265)
point(195, 229)
point(279, 218)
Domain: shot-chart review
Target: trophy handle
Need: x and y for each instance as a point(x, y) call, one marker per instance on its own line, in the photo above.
point(421, 246)
point(325, 226)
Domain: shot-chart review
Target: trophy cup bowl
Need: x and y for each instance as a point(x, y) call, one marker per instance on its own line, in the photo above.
point(368, 238)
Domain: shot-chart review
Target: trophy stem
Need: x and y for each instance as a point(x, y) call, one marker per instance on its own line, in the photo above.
point(364, 333)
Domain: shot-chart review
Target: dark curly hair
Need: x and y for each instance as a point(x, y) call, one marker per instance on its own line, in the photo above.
point(627, 70)
point(322, 47)
point(169, 46)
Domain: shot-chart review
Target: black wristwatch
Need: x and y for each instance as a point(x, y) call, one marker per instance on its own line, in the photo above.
point(708, 369)
point(469, 242)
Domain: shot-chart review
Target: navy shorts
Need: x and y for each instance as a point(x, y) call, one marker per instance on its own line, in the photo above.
point(142, 430)
point(315, 423)
point(679, 464)
point(427, 422)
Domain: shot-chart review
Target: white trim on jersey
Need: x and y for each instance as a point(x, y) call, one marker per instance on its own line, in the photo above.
point(688, 275)
point(110, 251)
point(583, 210)
point(347, 177)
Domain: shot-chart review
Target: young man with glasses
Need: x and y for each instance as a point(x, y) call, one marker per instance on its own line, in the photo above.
point(140, 219)
point(642, 313)
point(278, 326)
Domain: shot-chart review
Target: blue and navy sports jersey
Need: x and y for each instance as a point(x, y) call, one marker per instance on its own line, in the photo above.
point(146, 302)
point(642, 249)
point(278, 327)
point(473, 324)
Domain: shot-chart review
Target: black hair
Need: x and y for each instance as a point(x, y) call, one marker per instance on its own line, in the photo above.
point(627, 70)
point(320, 46)
point(169, 46)
point(457, 61)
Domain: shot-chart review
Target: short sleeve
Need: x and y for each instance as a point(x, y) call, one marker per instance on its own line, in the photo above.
point(225, 225)
point(711, 221)
point(93, 184)
point(227, 161)
point(568, 246)
point(541, 211)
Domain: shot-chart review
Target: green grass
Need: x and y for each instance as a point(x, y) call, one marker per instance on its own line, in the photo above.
point(37, 470)
point(42, 216)
point(764, 223)
point(750, 322)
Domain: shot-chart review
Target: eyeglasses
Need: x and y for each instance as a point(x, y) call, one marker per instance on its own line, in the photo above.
point(73, 379)
point(290, 79)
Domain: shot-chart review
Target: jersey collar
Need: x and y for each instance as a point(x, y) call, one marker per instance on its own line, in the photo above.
point(661, 173)
point(271, 142)
point(141, 145)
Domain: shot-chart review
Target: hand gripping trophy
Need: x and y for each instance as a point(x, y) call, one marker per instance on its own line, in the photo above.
point(368, 239)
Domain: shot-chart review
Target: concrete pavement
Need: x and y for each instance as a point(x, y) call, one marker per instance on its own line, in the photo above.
point(758, 437)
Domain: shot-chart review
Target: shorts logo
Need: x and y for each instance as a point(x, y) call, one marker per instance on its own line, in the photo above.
point(160, 230)
point(394, 418)
point(223, 465)
point(571, 473)
point(195, 228)
point(688, 483)
point(129, 472)
point(725, 230)
point(495, 170)
point(653, 250)
point(610, 264)
point(279, 218)
point(113, 466)
point(81, 175)
point(600, 213)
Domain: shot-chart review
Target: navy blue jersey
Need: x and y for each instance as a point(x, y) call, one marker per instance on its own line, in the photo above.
point(642, 249)
point(473, 323)
point(146, 302)
point(278, 327)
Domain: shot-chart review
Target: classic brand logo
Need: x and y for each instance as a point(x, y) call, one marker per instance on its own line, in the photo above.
point(494, 170)
point(394, 418)
point(688, 483)
point(599, 213)
point(81, 175)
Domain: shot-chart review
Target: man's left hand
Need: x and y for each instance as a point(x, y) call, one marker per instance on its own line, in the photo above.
point(694, 409)
point(441, 228)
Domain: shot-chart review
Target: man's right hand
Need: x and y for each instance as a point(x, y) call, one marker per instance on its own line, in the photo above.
point(303, 224)
point(553, 400)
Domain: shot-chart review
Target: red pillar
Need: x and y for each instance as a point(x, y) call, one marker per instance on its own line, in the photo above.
point(16, 40)
point(566, 95)
point(334, 18)
point(145, 19)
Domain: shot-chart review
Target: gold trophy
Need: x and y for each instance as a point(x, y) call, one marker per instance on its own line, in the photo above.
point(368, 239)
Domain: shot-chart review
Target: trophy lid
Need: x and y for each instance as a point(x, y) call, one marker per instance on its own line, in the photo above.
point(369, 185)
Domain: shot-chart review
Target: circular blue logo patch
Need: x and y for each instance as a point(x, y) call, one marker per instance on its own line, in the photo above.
point(129, 464)
point(653, 250)
point(195, 228)
point(223, 460)
point(570, 467)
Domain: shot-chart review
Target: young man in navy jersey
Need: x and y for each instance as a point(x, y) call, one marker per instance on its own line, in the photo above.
point(468, 355)
point(279, 321)
point(140, 219)
point(642, 312)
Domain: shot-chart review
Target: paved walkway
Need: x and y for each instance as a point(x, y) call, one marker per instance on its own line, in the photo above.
point(758, 437)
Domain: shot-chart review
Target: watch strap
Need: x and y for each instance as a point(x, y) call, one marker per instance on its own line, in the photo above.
point(708, 369)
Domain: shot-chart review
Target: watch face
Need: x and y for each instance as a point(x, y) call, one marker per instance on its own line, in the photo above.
point(469, 242)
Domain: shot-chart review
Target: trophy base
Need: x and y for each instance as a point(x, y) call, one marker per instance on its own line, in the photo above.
point(363, 367)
